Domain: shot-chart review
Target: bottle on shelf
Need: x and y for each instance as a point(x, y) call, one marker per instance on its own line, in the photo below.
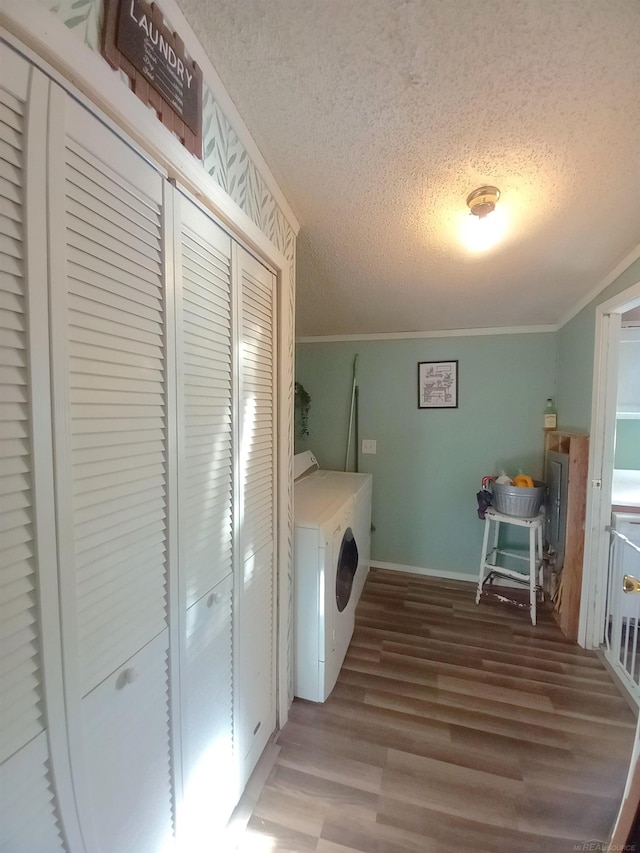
point(550, 415)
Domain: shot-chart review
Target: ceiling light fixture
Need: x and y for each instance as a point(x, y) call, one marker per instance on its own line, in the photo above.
point(482, 202)
point(479, 231)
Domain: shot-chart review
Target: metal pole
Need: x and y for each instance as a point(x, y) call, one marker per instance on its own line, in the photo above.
point(353, 396)
point(357, 430)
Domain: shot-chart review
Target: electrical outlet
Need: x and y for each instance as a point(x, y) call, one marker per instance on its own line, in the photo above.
point(368, 445)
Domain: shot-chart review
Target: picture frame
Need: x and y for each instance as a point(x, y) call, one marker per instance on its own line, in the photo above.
point(438, 384)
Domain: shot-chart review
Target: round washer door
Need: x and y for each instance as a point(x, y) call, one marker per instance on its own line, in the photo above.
point(346, 570)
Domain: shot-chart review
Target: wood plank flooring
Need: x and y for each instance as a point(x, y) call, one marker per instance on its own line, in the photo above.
point(452, 727)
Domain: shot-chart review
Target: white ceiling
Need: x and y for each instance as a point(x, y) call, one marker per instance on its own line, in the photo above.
point(378, 117)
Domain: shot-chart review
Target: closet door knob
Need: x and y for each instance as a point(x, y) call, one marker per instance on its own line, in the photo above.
point(214, 598)
point(127, 676)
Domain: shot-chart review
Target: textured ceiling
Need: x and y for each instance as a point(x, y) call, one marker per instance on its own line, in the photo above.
point(378, 117)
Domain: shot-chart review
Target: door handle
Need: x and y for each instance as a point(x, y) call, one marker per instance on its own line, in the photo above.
point(630, 584)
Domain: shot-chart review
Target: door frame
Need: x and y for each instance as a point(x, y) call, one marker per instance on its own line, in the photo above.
point(600, 477)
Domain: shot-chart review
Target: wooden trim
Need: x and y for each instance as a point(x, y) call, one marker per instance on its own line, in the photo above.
point(577, 446)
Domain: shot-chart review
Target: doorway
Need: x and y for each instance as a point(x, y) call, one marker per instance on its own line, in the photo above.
point(610, 618)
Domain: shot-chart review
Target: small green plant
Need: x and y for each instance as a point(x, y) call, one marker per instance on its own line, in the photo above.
point(301, 405)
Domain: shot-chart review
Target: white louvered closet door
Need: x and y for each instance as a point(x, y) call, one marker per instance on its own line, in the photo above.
point(111, 451)
point(255, 623)
point(205, 532)
point(29, 808)
point(205, 434)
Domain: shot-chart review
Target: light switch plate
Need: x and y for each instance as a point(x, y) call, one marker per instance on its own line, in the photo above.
point(368, 445)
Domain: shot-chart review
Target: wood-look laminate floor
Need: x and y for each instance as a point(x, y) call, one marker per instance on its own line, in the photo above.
point(452, 727)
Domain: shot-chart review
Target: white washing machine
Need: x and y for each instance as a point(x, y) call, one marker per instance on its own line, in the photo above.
point(332, 544)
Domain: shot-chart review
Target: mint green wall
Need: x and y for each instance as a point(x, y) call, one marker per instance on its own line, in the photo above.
point(576, 343)
point(575, 372)
point(429, 463)
point(627, 454)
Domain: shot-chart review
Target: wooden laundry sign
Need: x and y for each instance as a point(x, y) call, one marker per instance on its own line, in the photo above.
point(136, 40)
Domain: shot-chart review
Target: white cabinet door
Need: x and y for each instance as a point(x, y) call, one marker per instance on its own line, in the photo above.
point(209, 778)
point(110, 393)
point(256, 709)
point(125, 726)
point(205, 515)
point(204, 375)
point(112, 436)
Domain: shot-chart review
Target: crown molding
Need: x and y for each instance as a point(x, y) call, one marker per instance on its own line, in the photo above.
point(446, 333)
point(624, 264)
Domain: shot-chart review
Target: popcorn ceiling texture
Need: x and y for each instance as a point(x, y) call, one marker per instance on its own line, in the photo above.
point(377, 119)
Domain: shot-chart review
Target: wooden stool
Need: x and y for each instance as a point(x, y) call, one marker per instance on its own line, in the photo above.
point(489, 568)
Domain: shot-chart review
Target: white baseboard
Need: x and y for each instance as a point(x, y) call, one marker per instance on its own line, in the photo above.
point(430, 573)
point(436, 573)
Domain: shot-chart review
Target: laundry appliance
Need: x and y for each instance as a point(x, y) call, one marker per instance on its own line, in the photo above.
point(332, 543)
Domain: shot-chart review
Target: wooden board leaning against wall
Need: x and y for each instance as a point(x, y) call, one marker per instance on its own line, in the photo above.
point(569, 581)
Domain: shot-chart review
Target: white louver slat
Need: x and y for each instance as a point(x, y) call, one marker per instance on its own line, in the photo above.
point(203, 312)
point(116, 386)
point(21, 718)
point(257, 395)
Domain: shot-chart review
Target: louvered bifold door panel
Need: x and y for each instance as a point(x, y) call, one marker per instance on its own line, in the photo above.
point(115, 384)
point(207, 718)
point(256, 658)
point(255, 713)
point(203, 318)
point(28, 812)
point(126, 734)
point(257, 406)
point(112, 434)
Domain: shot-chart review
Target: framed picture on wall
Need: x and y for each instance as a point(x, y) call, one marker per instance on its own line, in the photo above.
point(438, 385)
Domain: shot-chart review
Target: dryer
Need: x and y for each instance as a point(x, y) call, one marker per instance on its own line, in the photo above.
point(332, 536)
